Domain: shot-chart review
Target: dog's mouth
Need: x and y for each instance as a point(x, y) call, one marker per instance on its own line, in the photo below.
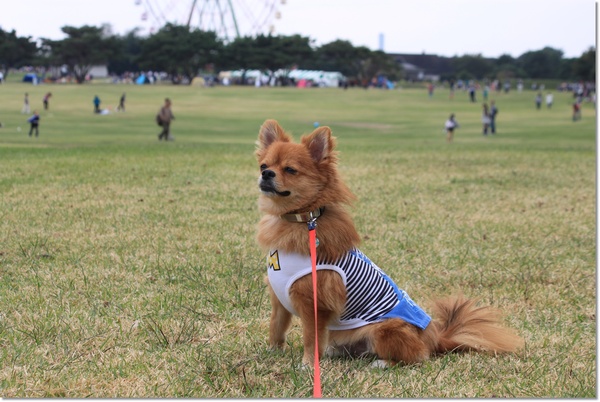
point(267, 188)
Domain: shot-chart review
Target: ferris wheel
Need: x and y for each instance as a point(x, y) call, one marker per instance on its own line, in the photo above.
point(229, 19)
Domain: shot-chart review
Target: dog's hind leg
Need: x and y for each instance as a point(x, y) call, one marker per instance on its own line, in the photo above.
point(397, 341)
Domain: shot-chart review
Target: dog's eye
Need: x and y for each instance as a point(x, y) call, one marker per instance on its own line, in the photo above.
point(290, 170)
point(263, 167)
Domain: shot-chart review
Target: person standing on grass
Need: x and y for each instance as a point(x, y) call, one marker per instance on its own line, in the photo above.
point(46, 99)
point(538, 101)
point(26, 109)
point(450, 125)
point(485, 119)
point(472, 92)
point(549, 100)
point(35, 122)
point(165, 115)
point(493, 113)
point(430, 88)
point(96, 104)
point(576, 111)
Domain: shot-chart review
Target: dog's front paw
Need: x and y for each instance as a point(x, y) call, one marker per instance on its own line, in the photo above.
point(279, 345)
point(304, 366)
point(307, 361)
point(332, 351)
point(276, 349)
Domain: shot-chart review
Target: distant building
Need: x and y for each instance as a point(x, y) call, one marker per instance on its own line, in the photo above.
point(412, 72)
point(423, 67)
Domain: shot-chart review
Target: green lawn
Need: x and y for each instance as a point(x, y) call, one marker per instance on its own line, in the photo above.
point(128, 266)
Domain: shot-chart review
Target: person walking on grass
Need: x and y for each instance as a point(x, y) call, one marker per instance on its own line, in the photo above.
point(121, 107)
point(35, 122)
point(450, 125)
point(164, 117)
point(46, 100)
point(493, 113)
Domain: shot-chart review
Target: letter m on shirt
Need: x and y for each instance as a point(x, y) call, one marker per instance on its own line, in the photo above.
point(273, 261)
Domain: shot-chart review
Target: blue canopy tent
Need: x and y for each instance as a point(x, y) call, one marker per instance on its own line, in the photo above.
point(142, 79)
point(30, 77)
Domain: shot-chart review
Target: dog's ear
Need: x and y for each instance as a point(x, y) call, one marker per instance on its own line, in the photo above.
point(320, 143)
point(270, 132)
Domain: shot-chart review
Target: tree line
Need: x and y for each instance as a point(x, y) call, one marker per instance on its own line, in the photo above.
point(183, 53)
point(537, 64)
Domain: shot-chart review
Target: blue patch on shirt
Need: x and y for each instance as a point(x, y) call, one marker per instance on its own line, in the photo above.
point(407, 309)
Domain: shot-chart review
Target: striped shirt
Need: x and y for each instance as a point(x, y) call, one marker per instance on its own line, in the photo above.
point(371, 296)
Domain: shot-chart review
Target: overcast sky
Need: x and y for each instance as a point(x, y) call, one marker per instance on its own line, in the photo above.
point(443, 27)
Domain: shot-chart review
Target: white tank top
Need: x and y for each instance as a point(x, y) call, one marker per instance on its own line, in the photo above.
point(371, 295)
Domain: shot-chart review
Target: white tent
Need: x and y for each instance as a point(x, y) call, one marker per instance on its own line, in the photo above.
point(318, 77)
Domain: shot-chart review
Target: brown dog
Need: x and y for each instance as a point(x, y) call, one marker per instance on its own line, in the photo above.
point(360, 309)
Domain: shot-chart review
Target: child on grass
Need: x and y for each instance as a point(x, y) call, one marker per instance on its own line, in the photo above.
point(450, 125)
point(35, 122)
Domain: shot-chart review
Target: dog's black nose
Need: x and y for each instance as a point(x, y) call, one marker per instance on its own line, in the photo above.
point(268, 174)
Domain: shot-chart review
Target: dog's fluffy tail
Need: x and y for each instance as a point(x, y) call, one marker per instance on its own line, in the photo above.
point(463, 326)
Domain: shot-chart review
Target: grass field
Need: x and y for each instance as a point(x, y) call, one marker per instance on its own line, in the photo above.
point(128, 266)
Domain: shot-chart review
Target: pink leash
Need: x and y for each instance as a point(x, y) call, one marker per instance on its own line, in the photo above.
point(312, 236)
